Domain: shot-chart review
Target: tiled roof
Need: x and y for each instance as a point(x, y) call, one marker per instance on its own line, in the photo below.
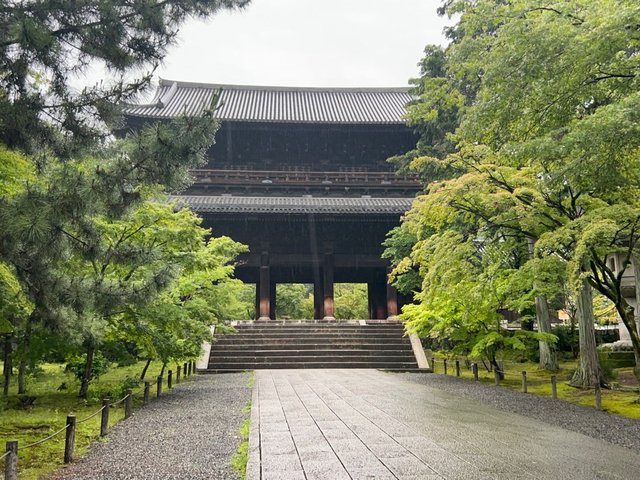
point(277, 104)
point(296, 205)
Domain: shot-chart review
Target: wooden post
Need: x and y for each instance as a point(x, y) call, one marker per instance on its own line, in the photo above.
point(159, 387)
point(104, 420)
point(70, 439)
point(554, 387)
point(433, 364)
point(328, 286)
point(145, 398)
point(457, 368)
point(474, 369)
point(264, 304)
point(170, 379)
point(11, 461)
point(193, 370)
point(186, 374)
point(318, 296)
point(524, 382)
point(178, 374)
point(598, 393)
point(128, 404)
point(496, 376)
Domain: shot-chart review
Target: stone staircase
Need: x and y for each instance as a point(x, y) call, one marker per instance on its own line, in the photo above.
point(312, 344)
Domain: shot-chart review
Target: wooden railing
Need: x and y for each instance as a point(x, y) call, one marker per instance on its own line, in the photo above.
point(300, 177)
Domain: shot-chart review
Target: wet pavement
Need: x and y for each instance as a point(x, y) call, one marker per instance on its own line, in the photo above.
point(367, 424)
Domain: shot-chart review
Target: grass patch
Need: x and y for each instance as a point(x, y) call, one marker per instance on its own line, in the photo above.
point(240, 458)
point(620, 402)
point(56, 395)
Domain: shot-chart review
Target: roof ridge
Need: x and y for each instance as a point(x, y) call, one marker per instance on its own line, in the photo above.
point(215, 86)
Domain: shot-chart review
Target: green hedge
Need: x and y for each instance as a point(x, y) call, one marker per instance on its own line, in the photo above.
point(617, 359)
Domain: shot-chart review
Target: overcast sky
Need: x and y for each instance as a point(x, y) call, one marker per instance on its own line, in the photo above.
point(308, 43)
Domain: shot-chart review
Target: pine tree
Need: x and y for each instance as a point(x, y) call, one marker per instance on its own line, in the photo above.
point(45, 44)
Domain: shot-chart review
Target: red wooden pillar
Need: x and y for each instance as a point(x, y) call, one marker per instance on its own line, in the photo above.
point(392, 300)
point(265, 289)
point(381, 304)
point(318, 299)
point(378, 296)
point(328, 286)
point(272, 301)
point(370, 297)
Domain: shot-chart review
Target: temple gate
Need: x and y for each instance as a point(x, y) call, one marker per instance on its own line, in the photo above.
point(300, 176)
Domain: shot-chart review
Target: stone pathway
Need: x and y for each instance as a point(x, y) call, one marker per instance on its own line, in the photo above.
point(366, 424)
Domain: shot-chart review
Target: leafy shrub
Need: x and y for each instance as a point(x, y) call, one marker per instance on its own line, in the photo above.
point(568, 339)
point(127, 383)
point(76, 365)
point(121, 353)
point(616, 347)
point(608, 371)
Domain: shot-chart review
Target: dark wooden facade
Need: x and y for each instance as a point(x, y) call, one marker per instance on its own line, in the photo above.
point(305, 185)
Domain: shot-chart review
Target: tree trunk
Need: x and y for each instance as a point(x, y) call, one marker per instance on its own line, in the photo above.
point(548, 354)
point(588, 373)
point(496, 368)
point(22, 374)
point(144, 370)
point(164, 365)
point(627, 313)
point(24, 354)
point(88, 371)
point(7, 366)
point(572, 331)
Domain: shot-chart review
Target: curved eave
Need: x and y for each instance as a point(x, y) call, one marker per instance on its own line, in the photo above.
point(294, 205)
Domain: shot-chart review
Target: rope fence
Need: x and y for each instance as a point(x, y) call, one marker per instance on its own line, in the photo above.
point(91, 416)
point(38, 442)
point(10, 456)
point(500, 373)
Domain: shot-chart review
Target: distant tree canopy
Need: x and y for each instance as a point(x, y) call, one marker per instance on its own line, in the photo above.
point(295, 301)
point(90, 250)
point(536, 181)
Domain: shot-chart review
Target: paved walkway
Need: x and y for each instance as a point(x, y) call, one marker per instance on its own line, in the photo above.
point(365, 424)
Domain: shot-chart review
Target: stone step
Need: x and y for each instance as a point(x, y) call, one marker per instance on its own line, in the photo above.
point(320, 364)
point(306, 351)
point(321, 328)
point(312, 345)
point(293, 335)
point(301, 358)
point(318, 326)
point(325, 343)
point(285, 347)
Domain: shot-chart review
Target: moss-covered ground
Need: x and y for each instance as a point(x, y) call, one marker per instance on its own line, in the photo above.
point(56, 396)
point(620, 402)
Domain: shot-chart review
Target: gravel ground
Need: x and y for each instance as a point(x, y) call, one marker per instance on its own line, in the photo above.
point(588, 421)
point(190, 433)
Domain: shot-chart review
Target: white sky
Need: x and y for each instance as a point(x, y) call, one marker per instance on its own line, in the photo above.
point(308, 43)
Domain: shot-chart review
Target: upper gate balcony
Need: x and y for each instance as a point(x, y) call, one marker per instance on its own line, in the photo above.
point(293, 182)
